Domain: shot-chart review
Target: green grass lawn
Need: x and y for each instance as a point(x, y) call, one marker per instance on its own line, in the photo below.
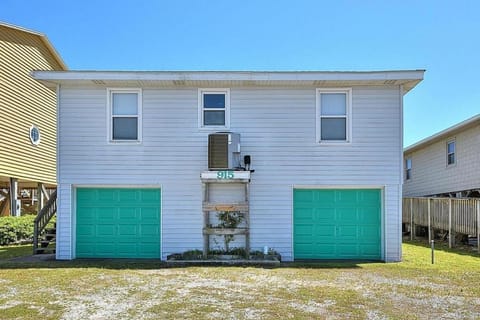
point(8, 252)
point(412, 289)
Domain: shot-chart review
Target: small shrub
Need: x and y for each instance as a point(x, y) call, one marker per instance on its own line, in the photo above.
point(15, 230)
point(193, 255)
point(231, 220)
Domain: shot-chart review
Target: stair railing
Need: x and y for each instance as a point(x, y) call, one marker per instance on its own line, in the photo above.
point(43, 217)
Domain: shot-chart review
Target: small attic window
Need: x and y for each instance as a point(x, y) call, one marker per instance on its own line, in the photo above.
point(34, 135)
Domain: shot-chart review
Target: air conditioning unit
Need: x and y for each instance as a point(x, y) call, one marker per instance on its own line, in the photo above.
point(223, 151)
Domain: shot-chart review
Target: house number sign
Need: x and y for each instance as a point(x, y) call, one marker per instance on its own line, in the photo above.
point(225, 175)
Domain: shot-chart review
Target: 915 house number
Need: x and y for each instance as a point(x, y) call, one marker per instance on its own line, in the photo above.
point(227, 174)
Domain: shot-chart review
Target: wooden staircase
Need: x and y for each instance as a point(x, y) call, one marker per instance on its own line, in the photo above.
point(43, 236)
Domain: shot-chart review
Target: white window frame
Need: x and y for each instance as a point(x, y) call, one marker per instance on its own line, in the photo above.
point(110, 92)
point(348, 116)
point(454, 152)
point(407, 169)
point(201, 109)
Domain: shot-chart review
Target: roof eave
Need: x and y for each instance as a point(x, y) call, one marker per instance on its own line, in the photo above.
point(45, 41)
point(443, 134)
point(407, 78)
point(54, 52)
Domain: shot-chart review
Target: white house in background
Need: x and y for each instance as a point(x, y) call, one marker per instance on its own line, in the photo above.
point(326, 148)
point(445, 164)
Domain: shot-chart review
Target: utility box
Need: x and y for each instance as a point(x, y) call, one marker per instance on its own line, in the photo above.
point(223, 151)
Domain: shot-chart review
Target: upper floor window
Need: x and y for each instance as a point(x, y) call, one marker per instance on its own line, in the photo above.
point(334, 115)
point(451, 152)
point(408, 168)
point(214, 108)
point(125, 115)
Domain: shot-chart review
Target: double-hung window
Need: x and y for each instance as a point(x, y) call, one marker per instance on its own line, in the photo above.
point(334, 115)
point(214, 108)
point(450, 152)
point(125, 108)
point(408, 168)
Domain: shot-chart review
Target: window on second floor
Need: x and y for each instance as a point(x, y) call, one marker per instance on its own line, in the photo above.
point(214, 108)
point(334, 115)
point(125, 115)
point(451, 152)
point(408, 168)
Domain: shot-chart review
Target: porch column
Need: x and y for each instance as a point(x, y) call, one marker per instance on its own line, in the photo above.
point(13, 197)
point(40, 197)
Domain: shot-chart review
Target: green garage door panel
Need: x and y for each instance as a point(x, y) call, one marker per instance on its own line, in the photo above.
point(337, 224)
point(118, 223)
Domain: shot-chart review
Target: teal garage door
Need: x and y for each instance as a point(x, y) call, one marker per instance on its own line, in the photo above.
point(337, 224)
point(117, 223)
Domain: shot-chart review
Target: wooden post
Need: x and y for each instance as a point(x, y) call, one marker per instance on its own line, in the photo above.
point(45, 192)
point(206, 221)
point(412, 225)
point(450, 229)
point(13, 197)
point(5, 202)
point(429, 221)
point(247, 222)
point(478, 226)
point(40, 197)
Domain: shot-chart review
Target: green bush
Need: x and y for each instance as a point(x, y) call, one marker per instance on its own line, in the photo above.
point(16, 229)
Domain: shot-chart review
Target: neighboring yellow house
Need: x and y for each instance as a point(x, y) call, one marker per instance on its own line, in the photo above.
point(27, 115)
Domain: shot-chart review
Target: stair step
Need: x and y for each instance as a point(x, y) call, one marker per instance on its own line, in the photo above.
point(45, 250)
point(50, 237)
point(45, 243)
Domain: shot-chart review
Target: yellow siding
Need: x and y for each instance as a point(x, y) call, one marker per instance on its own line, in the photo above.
point(25, 102)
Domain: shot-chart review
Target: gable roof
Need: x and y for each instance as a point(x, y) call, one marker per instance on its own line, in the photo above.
point(44, 39)
point(444, 133)
point(407, 78)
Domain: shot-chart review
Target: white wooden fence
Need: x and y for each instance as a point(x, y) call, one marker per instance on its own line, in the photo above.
point(449, 214)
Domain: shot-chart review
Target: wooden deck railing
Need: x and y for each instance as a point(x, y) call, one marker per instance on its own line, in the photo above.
point(450, 214)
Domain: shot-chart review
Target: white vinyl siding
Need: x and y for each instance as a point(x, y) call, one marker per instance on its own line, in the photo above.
point(277, 126)
point(434, 176)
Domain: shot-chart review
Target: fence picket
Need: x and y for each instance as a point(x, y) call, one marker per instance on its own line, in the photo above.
point(449, 214)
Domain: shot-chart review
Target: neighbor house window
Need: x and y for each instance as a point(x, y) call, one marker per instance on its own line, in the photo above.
point(125, 115)
point(450, 152)
point(214, 108)
point(34, 135)
point(334, 115)
point(408, 168)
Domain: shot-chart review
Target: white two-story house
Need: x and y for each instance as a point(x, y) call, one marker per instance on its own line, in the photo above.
point(326, 148)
